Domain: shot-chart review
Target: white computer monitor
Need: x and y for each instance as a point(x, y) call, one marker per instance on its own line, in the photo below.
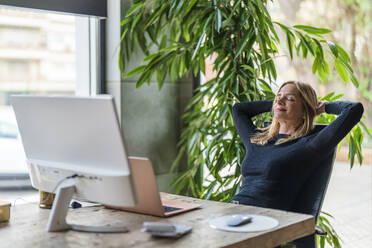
point(75, 148)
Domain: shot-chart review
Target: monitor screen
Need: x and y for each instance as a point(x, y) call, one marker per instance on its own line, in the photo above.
point(79, 140)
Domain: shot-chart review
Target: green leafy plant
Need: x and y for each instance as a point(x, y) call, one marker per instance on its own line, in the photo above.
point(243, 42)
point(332, 238)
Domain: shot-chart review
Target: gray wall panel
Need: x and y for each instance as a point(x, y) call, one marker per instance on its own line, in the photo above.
point(151, 122)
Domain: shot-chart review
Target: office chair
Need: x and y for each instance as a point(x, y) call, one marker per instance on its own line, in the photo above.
point(311, 195)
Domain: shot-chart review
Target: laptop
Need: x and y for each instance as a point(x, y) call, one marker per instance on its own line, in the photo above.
point(148, 196)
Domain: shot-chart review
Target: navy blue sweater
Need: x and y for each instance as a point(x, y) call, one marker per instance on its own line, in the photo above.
point(273, 174)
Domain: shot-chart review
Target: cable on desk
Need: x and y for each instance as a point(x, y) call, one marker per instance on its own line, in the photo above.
point(55, 188)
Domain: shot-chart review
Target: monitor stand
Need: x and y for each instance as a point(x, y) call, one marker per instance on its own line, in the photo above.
point(57, 218)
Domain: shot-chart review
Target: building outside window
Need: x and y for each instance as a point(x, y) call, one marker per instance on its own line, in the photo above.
point(37, 56)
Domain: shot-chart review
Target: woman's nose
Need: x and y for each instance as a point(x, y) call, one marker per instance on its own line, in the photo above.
point(280, 99)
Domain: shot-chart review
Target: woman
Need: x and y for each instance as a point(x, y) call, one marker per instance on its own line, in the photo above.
point(280, 157)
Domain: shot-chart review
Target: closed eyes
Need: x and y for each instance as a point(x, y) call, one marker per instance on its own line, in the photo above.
point(291, 99)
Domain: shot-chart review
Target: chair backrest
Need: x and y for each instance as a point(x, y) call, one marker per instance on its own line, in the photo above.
point(310, 197)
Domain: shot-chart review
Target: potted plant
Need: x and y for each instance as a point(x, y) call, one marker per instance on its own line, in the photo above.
point(242, 39)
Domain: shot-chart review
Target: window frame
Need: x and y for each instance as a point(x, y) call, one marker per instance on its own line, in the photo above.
point(81, 7)
point(90, 67)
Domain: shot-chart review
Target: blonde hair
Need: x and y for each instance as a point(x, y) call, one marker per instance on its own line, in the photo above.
point(309, 104)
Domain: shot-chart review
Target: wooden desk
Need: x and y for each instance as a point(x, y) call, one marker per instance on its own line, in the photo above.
point(27, 228)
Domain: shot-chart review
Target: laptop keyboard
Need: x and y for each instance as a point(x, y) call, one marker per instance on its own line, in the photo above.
point(170, 209)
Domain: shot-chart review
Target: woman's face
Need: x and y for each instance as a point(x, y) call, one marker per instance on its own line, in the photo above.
point(288, 105)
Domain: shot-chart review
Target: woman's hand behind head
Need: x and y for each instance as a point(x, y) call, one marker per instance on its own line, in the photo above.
point(320, 109)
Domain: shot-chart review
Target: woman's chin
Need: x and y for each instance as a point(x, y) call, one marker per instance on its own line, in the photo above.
point(280, 116)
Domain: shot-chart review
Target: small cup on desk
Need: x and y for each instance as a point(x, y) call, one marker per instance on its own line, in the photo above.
point(46, 199)
point(4, 211)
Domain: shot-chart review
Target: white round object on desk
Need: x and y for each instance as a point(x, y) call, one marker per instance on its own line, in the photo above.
point(258, 223)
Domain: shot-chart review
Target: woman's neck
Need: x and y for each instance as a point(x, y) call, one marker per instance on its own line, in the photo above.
point(287, 127)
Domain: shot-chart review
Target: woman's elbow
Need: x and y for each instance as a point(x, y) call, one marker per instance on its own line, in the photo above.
point(358, 109)
point(236, 108)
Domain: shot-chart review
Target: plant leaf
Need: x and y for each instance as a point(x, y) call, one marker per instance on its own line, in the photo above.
point(198, 45)
point(243, 43)
point(290, 41)
point(342, 72)
point(135, 71)
point(333, 48)
point(313, 30)
point(134, 8)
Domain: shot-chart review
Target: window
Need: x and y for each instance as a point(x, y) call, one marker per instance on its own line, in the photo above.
point(38, 56)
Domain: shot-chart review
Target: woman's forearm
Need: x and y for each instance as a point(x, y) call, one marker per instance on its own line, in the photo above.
point(355, 109)
point(242, 114)
point(349, 114)
point(253, 108)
